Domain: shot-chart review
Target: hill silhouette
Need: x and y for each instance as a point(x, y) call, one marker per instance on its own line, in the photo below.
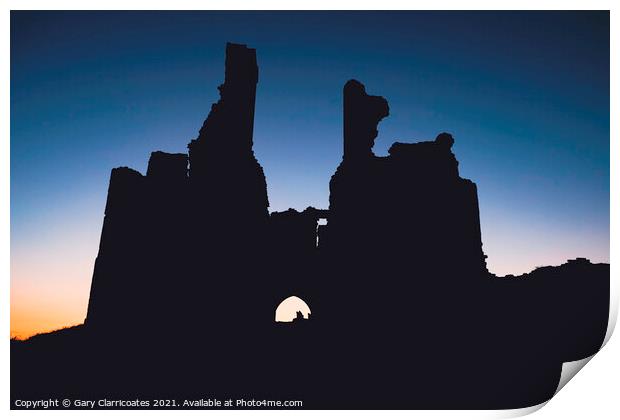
point(191, 267)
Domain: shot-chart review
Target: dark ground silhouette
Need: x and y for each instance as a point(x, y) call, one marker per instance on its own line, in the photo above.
point(405, 314)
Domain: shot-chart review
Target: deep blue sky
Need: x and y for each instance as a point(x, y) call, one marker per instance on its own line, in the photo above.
point(526, 96)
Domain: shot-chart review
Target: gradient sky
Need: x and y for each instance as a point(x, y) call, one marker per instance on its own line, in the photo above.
point(526, 96)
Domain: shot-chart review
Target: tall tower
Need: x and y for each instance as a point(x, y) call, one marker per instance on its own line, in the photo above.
point(228, 130)
point(224, 173)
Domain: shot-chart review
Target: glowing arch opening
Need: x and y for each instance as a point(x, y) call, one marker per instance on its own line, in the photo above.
point(288, 308)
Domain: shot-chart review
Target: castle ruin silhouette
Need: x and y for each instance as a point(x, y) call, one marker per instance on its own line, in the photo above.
point(182, 230)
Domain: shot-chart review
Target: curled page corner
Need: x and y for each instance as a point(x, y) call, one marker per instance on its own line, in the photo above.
point(518, 412)
point(569, 370)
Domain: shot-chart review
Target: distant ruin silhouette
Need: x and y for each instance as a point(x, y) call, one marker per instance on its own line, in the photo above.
point(191, 267)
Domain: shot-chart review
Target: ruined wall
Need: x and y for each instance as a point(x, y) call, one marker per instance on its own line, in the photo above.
point(412, 202)
point(294, 260)
point(114, 284)
point(403, 228)
point(179, 243)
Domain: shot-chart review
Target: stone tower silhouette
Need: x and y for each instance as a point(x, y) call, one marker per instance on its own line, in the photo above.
point(173, 238)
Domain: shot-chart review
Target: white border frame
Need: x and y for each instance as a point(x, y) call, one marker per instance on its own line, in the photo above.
point(593, 394)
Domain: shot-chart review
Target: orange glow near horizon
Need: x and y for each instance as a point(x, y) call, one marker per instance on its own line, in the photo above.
point(50, 283)
point(59, 302)
point(40, 315)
